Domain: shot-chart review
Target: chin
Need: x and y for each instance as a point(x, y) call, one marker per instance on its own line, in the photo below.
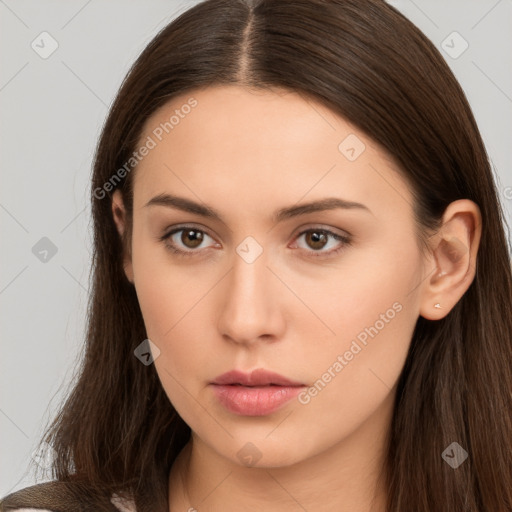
point(262, 451)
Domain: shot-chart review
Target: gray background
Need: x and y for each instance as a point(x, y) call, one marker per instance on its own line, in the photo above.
point(52, 111)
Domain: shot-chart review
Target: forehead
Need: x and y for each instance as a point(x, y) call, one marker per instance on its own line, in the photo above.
point(242, 121)
point(228, 141)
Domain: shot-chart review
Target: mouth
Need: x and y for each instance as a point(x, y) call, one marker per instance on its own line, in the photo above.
point(256, 378)
point(260, 386)
point(258, 393)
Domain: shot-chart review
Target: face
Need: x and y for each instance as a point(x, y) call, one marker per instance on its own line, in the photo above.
point(325, 296)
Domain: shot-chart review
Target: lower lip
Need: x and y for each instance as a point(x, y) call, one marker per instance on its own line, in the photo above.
point(255, 401)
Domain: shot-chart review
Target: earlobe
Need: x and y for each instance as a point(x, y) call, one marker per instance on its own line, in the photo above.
point(454, 253)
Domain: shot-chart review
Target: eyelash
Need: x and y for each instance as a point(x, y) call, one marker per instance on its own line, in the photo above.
point(346, 241)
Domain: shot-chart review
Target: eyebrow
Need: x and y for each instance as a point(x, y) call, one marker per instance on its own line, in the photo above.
point(189, 206)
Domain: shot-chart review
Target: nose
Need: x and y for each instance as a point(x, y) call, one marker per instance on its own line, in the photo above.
point(252, 303)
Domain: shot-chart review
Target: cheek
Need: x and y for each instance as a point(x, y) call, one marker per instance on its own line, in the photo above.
point(172, 298)
point(353, 374)
point(366, 284)
point(170, 301)
point(165, 290)
point(352, 384)
point(373, 312)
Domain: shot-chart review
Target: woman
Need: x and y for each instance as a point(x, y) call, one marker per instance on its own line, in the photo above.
point(302, 286)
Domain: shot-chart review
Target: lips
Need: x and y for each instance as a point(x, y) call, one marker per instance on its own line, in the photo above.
point(260, 377)
point(258, 393)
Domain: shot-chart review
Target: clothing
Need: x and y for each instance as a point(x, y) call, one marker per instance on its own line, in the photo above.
point(53, 497)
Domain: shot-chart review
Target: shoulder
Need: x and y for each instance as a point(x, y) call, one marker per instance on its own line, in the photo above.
point(54, 496)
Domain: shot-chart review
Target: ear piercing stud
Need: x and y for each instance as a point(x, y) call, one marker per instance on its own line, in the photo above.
point(438, 306)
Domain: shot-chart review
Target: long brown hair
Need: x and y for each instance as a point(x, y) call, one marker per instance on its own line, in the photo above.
point(366, 62)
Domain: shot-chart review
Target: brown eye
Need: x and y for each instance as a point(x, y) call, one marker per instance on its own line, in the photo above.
point(186, 241)
point(191, 238)
point(316, 239)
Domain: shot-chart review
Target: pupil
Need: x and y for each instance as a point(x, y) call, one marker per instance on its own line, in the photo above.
point(317, 236)
point(193, 235)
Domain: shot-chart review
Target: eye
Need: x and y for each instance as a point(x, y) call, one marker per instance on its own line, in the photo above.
point(318, 239)
point(191, 238)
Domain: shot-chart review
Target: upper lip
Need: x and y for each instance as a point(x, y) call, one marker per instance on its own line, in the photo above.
point(259, 377)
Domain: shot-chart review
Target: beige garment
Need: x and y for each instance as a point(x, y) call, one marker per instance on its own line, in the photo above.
point(123, 505)
point(48, 496)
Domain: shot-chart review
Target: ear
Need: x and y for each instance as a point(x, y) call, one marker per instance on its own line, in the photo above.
point(453, 264)
point(119, 214)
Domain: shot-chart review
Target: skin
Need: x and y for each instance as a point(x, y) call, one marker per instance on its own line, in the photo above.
point(247, 154)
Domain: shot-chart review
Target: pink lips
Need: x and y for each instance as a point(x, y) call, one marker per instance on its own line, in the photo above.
point(257, 393)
